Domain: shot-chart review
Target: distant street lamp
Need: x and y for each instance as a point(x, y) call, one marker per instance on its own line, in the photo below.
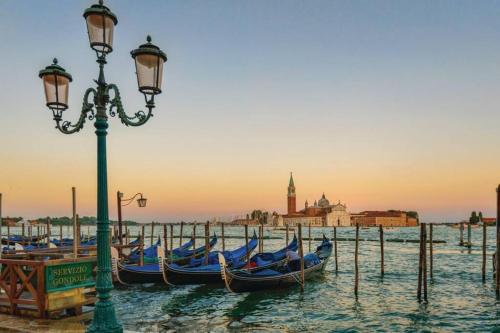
point(141, 202)
point(149, 60)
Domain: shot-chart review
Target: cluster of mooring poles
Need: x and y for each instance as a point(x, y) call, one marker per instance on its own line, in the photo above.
point(422, 267)
point(422, 264)
point(168, 236)
point(356, 255)
point(41, 232)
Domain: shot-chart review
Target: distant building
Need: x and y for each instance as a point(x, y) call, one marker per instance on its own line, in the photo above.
point(489, 220)
point(10, 221)
point(320, 214)
point(383, 218)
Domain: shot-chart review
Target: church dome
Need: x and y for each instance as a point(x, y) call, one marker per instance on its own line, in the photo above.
point(323, 202)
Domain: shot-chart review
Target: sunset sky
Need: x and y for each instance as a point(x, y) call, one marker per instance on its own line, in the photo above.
point(379, 104)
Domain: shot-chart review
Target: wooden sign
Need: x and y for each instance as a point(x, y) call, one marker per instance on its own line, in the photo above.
point(69, 276)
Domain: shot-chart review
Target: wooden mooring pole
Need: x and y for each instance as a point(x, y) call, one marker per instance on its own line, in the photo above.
point(78, 233)
point(335, 248)
point(356, 268)
point(223, 238)
point(431, 253)
point(119, 213)
point(381, 234)
point(420, 271)
point(246, 245)
point(48, 232)
point(142, 245)
point(469, 236)
point(483, 268)
point(165, 238)
point(194, 237)
point(207, 233)
point(171, 239)
point(425, 262)
point(286, 237)
point(262, 239)
point(422, 264)
point(171, 242)
point(461, 243)
point(8, 237)
point(309, 227)
point(182, 230)
point(301, 254)
point(419, 286)
point(497, 285)
point(152, 232)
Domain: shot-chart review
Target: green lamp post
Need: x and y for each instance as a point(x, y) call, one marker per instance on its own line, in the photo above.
point(149, 60)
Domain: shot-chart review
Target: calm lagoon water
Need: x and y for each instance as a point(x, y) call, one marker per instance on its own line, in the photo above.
point(458, 300)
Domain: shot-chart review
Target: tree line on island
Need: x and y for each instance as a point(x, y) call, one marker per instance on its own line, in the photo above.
point(475, 218)
point(63, 220)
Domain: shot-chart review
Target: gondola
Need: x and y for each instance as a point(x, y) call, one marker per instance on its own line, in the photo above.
point(265, 260)
point(43, 245)
point(63, 242)
point(183, 257)
point(150, 253)
point(69, 241)
point(196, 272)
point(23, 240)
point(210, 274)
point(150, 272)
point(279, 277)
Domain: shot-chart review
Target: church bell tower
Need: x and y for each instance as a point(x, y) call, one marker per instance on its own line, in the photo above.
point(291, 200)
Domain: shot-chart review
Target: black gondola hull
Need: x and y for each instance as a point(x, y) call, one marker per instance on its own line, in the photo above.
point(243, 284)
point(128, 276)
point(180, 277)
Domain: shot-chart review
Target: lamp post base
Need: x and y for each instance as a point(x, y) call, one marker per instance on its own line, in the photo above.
point(104, 319)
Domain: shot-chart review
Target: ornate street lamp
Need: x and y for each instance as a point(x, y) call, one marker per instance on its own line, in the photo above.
point(100, 25)
point(141, 202)
point(56, 84)
point(149, 61)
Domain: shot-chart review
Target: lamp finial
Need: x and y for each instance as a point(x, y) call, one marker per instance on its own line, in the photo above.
point(148, 39)
point(54, 61)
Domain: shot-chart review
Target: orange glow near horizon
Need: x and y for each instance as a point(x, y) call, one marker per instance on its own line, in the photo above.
point(176, 193)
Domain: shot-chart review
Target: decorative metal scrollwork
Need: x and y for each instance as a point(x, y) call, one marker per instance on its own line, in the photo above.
point(87, 113)
point(116, 107)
